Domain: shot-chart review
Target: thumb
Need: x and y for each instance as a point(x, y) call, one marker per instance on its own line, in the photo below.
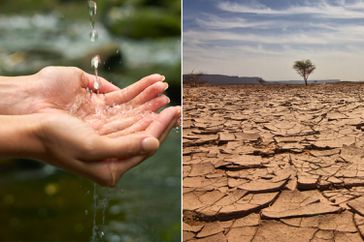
point(124, 147)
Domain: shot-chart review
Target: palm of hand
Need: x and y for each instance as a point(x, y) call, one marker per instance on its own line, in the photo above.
point(77, 113)
point(107, 111)
point(75, 146)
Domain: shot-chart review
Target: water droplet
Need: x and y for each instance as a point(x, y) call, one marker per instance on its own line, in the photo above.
point(95, 61)
point(96, 85)
point(94, 35)
point(92, 8)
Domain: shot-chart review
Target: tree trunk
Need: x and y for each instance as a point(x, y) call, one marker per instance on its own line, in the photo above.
point(305, 82)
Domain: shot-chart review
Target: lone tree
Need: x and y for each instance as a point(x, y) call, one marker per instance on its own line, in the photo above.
point(304, 68)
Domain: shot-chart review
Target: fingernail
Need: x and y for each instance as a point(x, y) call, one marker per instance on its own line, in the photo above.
point(150, 144)
point(163, 77)
point(165, 87)
point(168, 100)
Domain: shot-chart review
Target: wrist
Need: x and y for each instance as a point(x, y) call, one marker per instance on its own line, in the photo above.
point(19, 136)
point(18, 95)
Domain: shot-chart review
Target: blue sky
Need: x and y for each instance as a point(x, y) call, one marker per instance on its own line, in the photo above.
point(264, 37)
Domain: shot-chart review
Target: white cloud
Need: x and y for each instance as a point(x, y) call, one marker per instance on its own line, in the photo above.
point(344, 35)
point(214, 22)
point(317, 8)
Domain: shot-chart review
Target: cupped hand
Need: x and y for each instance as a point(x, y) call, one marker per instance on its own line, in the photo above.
point(113, 124)
point(96, 133)
point(109, 109)
point(62, 88)
point(74, 145)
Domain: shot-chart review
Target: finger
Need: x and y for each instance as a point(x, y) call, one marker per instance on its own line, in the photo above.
point(171, 125)
point(106, 86)
point(163, 122)
point(128, 93)
point(118, 123)
point(149, 93)
point(123, 147)
point(141, 125)
point(148, 107)
point(125, 165)
point(168, 130)
point(154, 104)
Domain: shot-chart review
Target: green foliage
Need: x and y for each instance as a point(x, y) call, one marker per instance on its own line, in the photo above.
point(171, 4)
point(27, 6)
point(147, 23)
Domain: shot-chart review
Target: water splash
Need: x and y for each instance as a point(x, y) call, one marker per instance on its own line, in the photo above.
point(98, 114)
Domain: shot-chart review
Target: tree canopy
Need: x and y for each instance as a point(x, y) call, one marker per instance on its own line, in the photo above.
point(304, 68)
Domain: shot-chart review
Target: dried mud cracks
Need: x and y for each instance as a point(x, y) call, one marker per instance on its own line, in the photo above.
point(273, 163)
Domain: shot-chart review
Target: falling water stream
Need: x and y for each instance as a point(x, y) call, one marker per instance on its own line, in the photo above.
point(95, 61)
point(99, 203)
point(92, 9)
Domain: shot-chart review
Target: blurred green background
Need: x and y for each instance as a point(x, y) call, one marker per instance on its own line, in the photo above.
point(136, 38)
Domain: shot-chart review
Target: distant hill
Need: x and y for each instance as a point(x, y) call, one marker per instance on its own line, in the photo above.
point(220, 79)
point(302, 82)
point(217, 79)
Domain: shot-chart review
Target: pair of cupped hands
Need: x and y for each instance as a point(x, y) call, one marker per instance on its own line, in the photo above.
point(100, 147)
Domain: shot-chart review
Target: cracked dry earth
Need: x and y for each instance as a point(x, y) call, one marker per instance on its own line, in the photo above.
point(273, 163)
